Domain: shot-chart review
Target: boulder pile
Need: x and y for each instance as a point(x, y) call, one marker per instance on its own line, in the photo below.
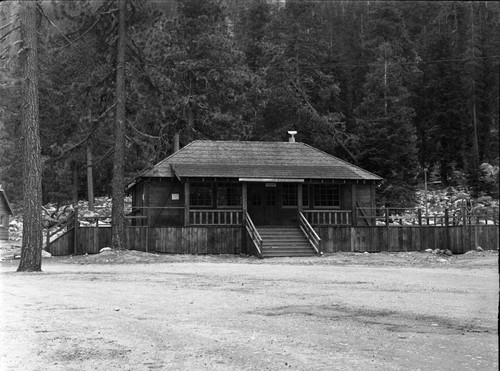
point(52, 214)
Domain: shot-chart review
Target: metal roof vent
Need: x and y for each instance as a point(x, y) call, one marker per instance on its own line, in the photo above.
point(292, 134)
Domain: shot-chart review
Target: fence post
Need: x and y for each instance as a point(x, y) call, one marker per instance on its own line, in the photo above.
point(186, 204)
point(463, 228)
point(75, 230)
point(387, 229)
point(353, 239)
point(420, 231)
point(447, 229)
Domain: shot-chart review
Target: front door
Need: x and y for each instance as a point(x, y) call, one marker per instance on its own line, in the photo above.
point(264, 203)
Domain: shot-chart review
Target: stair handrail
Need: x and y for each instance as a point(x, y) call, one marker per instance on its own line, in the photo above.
point(310, 233)
point(254, 234)
point(68, 222)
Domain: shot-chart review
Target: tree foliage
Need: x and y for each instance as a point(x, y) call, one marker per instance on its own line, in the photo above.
point(392, 86)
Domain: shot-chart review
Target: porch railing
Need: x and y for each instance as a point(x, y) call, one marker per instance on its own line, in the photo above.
point(254, 234)
point(310, 233)
point(418, 217)
point(328, 217)
point(215, 217)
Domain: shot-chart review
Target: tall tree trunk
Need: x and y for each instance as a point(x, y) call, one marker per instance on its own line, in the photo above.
point(90, 176)
point(474, 116)
point(118, 217)
point(75, 183)
point(31, 250)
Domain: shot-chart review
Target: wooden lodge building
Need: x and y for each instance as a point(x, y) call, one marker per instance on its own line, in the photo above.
point(269, 199)
point(267, 194)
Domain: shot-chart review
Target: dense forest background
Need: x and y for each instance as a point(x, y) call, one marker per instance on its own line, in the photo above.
point(394, 87)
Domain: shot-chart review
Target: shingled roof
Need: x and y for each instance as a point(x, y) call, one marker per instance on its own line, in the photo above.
point(230, 159)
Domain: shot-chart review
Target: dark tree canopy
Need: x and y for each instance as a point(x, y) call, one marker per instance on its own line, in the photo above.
point(394, 87)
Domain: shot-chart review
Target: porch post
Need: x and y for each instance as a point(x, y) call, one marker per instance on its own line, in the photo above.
point(300, 206)
point(244, 200)
point(186, 203)
point(353, 205)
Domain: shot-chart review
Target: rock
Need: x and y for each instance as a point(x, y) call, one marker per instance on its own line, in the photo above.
point(105, 249)
point(469, 252)
point(429, 250)
point(479, 248)
point(46, 254)
point(448, 252)
point(16, 256)
point(442, 261)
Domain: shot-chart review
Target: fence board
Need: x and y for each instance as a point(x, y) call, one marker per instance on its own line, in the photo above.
point(63, 245)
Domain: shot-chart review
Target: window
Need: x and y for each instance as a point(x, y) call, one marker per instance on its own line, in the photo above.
point(305, 195)
point(228, 194)
point(289, 194)
point(326, 195)
point(1, 220)
point(200, 194)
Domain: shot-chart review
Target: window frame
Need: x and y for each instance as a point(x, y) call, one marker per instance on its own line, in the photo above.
point(293, 194)
point(335, 188)
point(194, 185)
point(237, 187)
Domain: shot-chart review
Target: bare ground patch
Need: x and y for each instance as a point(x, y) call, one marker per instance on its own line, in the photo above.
point(138, 311)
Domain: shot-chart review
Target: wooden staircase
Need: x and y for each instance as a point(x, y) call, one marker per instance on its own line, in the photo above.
point(281, 241)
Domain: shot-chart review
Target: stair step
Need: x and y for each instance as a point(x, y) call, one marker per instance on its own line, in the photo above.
point(296, 239)
point(280, 237)
point(284, 235)
point(289, 249)
point(284, 241)
point(276, 254)
point(286, 245)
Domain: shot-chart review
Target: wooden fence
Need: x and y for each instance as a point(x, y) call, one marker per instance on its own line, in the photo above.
point(172, 240)
point(458, 239)
point(232, 239)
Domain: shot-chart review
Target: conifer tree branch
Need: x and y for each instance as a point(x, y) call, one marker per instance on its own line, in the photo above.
point(40, 10)
point(141, 133)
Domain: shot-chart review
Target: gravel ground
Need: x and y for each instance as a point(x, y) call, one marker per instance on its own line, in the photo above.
point(137, 311)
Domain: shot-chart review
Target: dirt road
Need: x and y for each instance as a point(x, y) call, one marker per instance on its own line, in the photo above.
point(238, 315)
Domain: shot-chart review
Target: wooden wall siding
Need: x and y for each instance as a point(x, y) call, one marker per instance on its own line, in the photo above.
point(158, 204)
point(196, 240)
point(4, 233)
point(234, 240)
point(458, 239)
point(64, 245)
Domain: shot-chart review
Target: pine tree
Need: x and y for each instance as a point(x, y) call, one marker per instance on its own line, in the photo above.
point(198, 73)
point(31, 250)
point(118, 182)
point(387, 140)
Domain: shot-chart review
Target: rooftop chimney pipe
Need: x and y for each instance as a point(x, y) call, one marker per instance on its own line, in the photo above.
point(292, 136)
